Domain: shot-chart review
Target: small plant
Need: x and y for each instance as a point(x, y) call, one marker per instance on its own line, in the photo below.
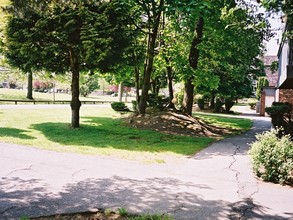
point(119, 107)
point(123, 212)
point(272, 157)
point(152, 217)
point(108, 212)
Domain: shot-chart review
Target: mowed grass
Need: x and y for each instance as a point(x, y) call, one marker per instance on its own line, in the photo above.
point(102, 132)
point(237, 125)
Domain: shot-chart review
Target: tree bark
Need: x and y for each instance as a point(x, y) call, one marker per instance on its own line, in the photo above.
point(75, 102)
point(147, 73)
point(29, 85)
point(213, 97)
point(120, 92)
point(137, 73)
point(170, 86)
point(193, 61)
point(150, 57)
point(188, 97)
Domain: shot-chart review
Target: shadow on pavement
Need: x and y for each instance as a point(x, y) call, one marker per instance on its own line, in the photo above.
point(19, 198)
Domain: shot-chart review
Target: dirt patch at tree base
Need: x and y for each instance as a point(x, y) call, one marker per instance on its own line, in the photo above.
point(175, 123)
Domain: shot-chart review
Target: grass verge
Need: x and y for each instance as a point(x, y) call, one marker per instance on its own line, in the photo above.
point(101, 133)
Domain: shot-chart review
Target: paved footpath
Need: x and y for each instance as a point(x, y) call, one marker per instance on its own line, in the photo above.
point(217, 183)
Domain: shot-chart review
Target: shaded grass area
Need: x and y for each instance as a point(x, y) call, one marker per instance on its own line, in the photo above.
point(14, 133)
point(101, 133)
point(104, 132)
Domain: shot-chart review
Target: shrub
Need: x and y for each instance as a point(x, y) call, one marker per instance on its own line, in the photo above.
point(252, 103)
point(272, 157)
point(228, 105)
point(158, 102)
point(282, 116)
point(134, 105)
point(200, 103)
point(119, 107)
point(179, 98)
point(218, 105)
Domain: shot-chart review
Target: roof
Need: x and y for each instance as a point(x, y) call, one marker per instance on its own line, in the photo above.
point(269, 59)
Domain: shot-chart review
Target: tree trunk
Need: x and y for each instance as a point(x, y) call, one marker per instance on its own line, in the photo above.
point(156, 86)
point(29, 85)
point(193, 61)
point(212, 103)
point(150, 57)
point(147, 73)
point(137, 73)
point(120, 92)
point(75, 102)
point(170, 86)
point(188, 97)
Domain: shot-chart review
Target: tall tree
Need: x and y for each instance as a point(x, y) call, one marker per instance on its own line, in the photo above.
point(76, 36)
point(152, 10)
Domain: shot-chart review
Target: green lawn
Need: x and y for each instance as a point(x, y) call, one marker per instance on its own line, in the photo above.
point(101, 133)
point(238, 125)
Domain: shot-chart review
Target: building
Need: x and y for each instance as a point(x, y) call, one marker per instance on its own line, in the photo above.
point(280, 90)
point(268, 92)
point(284, 91)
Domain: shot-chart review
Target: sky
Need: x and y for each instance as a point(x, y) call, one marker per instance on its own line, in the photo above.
point(272, 46)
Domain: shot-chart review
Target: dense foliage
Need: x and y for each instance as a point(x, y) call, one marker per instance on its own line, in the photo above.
point(262, 82)
point(211, 47)
point(272, 157)
point(61, 37)
point(119, 107)
point(282, 116)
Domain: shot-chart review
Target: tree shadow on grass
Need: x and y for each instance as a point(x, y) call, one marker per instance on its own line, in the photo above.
point(15, 133)
point(153, 195)
point(110, 133)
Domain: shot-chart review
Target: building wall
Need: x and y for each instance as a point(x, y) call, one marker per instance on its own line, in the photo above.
point(267, 99)
point(286, 95)
point(271, 76)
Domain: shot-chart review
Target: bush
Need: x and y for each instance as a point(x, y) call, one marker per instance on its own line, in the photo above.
point(218, 105)
point(158, 102)
point(282, 116)
point(119, 107)
point(134, 105)
point(252, 103)
point(200, 103)
point(272, 157)
point(179, 98)
point(228, 105)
